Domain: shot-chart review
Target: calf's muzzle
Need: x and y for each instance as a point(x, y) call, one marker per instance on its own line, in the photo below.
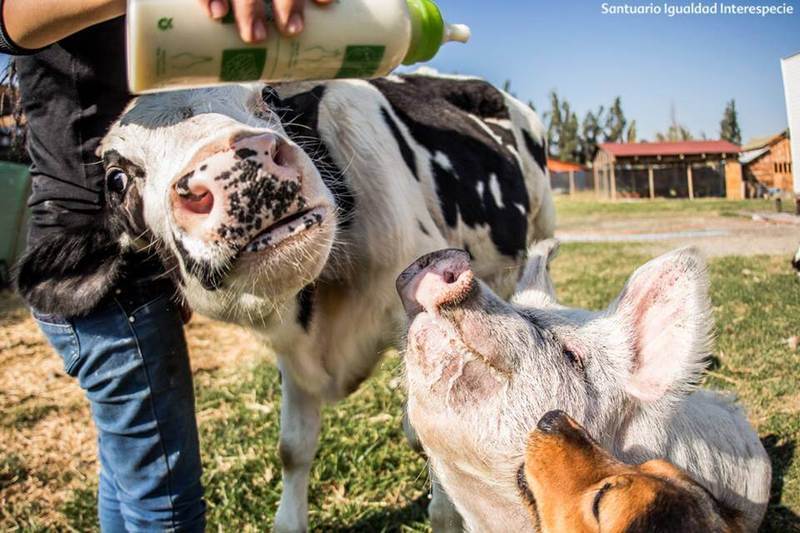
point(234, 189)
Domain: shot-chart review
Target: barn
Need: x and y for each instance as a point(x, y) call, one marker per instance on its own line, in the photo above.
point(767, 164)
point(685, 169)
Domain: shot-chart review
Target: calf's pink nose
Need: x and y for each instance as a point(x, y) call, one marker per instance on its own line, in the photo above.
point(199, 201)
point(216, 180)
point(434, 280)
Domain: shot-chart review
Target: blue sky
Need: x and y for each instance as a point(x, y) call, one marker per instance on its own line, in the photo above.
point(695, 62)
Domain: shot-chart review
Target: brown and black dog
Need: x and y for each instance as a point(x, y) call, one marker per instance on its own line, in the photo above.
point(571, 484)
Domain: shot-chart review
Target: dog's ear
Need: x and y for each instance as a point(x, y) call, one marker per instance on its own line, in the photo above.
point(665, 314)
point(68, 273)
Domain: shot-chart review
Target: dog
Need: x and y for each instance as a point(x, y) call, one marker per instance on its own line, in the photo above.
point(570, 483)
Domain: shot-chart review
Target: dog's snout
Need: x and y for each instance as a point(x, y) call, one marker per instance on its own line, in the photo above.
point(553, 422)
point(563, 428)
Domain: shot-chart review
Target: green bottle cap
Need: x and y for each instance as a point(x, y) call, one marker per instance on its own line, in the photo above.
point(429, 31)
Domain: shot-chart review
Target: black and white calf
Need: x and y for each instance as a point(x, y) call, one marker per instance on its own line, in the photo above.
point(292, 210)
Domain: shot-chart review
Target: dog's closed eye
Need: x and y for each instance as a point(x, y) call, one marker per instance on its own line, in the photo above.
point(599, 496)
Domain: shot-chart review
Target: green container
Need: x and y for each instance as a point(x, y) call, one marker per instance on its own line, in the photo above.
point(15, 186)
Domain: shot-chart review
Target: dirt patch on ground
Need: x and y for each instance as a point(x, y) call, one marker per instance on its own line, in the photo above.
point(714, 235)
point(47, 440)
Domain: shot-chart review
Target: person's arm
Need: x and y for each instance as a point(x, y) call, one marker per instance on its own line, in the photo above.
point(31, 25)
point(27, 25)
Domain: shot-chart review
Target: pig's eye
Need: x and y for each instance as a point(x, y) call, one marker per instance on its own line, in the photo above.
point(573, 359)
point(116, 180)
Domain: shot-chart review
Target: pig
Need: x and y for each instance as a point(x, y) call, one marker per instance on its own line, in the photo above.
point(481, 371)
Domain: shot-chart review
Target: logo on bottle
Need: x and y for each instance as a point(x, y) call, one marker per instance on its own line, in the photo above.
point(165, 23)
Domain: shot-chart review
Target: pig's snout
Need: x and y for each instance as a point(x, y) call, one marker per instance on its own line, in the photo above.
point(227, 184)
point(437, 279)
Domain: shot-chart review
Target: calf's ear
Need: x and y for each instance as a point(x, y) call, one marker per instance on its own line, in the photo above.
point(535, 287)
point(69, 272)
point(665, 313)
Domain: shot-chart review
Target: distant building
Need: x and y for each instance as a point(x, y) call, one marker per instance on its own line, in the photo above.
point(767, 164)
point(791, 85)
point(568, 178)
point(686, 169)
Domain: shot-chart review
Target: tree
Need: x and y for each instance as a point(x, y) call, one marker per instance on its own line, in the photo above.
point(591, 133)
point(568, 137)
point(729, 126)
point(631, 135)
point(615, 122)
point(555, 122)
point(676, 132)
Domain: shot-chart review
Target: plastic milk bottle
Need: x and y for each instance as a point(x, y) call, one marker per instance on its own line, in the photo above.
point(173, 44)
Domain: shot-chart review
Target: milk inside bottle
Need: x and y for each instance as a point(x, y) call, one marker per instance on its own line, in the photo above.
point(173, 44)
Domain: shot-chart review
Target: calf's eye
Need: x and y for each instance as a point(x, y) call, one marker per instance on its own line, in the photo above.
point(116, 180)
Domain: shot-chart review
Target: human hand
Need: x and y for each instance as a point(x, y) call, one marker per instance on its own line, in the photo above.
point(251, 16)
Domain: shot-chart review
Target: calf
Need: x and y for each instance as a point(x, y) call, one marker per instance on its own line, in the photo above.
point(291, 210)
point(482, 371)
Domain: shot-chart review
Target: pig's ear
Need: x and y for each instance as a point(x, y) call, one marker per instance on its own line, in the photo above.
point(665, 312)
point(535, 288)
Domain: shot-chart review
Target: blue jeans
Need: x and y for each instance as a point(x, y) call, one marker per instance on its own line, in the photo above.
point(131, 360)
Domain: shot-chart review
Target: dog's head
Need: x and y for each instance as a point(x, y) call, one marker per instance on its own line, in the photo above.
point(570, 483)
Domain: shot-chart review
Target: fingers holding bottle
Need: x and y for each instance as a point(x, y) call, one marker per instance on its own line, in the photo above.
point(251, 16)
point(289, 17)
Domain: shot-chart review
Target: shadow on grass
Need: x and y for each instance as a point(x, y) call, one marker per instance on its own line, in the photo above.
point(81, 510)
point(779, 518)
point(413, 516)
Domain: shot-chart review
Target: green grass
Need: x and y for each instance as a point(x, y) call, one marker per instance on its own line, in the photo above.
point(365, 477)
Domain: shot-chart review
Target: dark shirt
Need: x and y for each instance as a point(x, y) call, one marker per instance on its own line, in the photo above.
point(71, 93)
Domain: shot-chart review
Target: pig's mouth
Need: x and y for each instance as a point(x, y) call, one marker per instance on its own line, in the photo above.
point(285, 229)
point(450, 337)
point(446, 337)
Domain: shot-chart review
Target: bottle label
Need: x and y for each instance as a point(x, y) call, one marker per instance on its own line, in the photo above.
point(361, 61)
point(242, 64)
